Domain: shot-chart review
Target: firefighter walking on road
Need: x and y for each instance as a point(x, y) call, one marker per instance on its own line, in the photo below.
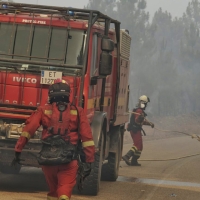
point(63, 126)
point(135, 128)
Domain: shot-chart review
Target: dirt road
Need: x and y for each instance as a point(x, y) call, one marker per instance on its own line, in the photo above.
point(154, 180)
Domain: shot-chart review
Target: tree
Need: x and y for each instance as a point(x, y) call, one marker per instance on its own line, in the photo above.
point(105, 6)
point(165, 54)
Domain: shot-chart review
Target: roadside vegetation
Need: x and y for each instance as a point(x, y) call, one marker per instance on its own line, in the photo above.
point(165, 55)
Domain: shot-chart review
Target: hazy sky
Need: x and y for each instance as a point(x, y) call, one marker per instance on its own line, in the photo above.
point(175, 7)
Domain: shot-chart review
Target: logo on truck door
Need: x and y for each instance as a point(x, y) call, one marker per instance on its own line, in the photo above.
point(25, 80)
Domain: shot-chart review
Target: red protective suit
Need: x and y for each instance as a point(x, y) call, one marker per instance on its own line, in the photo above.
point(62, 178)
point(137, 135)
point(135, 128)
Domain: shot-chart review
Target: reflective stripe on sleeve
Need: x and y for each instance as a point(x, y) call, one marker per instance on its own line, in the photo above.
point(48, 112)
point(26, 135)
point(88, 143)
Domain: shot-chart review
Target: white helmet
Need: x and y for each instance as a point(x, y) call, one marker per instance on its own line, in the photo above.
point(144, 99)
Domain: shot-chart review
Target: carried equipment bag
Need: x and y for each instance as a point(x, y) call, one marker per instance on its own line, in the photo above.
point(55, 150)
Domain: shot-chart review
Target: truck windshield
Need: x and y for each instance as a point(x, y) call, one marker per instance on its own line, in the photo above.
point(42, 43)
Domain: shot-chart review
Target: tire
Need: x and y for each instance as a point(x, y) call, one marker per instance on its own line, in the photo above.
point(92, 182)
point(6, 169)
point(111, 168)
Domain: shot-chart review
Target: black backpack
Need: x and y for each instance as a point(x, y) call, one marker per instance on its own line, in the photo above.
point(55, 150)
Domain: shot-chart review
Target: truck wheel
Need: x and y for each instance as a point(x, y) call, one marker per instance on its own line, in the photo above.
point(111, 168)
point(92, 182)
point(6, 169)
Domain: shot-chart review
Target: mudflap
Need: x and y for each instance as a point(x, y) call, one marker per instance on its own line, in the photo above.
point(110, 169)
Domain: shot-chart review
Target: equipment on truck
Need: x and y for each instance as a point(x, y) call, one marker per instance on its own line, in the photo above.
point(39, 44)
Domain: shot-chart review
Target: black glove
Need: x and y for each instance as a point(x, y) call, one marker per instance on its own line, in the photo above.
point(16, 159)
point(152, 125)
point(83, 171)
point(86, 169)
point(128, 127)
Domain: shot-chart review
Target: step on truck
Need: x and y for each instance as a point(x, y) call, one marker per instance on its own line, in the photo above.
point(39, 44)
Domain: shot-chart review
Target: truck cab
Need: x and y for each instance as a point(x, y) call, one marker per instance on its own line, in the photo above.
point(39, 44)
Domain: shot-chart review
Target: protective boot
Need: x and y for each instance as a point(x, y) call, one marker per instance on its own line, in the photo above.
point(127, 157)
point(134, 161)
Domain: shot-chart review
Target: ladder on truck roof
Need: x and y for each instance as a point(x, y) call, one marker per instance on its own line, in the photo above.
point(67, 13)
point(82, 14)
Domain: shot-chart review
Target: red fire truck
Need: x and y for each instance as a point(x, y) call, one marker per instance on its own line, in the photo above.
point(84, 47)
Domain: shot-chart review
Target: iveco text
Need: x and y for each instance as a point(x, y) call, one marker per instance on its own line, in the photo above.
point(26, 80)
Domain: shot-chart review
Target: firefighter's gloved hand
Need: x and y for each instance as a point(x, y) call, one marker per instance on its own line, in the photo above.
point(152, 125)
point(83, 171)
point(16, 159)
point(129, 127)
point(86, 169)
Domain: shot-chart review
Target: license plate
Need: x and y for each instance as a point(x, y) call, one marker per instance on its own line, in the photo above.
point(48, 77)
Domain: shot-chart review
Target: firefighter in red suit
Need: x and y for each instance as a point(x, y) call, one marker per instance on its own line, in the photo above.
point(60, 178)
point(135, 128)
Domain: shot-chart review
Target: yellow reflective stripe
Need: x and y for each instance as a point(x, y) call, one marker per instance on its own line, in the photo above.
point(73, 112)
point(63, 197)
point(26, 134)
point(48, 112)
point(88, 143)
point(52, 198)
point(134, 149)
point(137, 153)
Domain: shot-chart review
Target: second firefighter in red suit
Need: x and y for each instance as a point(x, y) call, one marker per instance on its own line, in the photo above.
point(135, 127)
point(60, 178)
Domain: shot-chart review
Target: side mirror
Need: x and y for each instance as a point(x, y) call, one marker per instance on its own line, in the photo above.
point(105, 67)
point(107, 44)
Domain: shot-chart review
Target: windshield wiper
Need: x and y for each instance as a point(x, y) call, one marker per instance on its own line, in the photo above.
point(67, 42)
